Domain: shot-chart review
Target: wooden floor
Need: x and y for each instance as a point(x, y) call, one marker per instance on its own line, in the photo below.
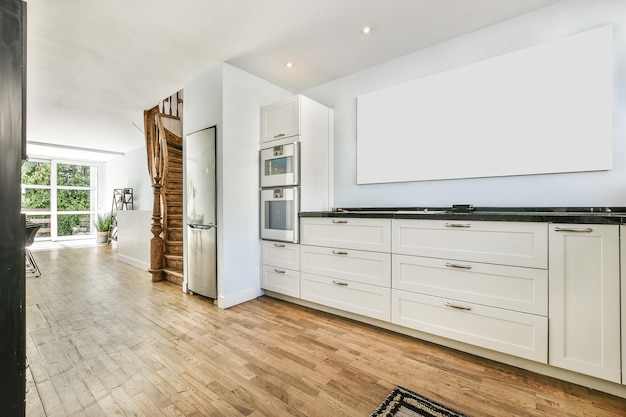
point(103, 340)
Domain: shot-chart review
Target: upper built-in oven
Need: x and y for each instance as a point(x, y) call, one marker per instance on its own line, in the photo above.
point(280, 165)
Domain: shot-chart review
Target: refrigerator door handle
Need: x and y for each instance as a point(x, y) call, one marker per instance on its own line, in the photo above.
point(202, 226)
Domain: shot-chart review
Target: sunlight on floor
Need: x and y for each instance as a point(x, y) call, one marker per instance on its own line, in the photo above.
point(62, 244)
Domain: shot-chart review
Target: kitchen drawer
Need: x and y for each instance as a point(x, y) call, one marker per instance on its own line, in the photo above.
point(504, 243)
point(510, 332)
point(281, 254)
point(284, 281)
point(349, 233)
point(366, 300)
point(509, 287)
point(347, 264)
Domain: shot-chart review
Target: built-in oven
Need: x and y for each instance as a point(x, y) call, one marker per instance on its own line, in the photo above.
point(279, 214)
point(280, 165)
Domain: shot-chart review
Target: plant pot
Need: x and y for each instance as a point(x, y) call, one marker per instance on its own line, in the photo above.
point(102, 237)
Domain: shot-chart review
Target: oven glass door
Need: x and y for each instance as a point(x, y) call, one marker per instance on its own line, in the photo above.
point(280, 165)
point(279, 214)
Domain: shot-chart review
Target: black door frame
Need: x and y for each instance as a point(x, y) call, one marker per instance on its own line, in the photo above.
point(12, 151)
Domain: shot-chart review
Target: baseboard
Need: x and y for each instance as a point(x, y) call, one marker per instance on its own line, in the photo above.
point(230, 300)
point(133, 262)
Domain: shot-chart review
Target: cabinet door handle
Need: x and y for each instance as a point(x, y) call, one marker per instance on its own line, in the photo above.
point(460, 266)
point(280, 135)
point(340, 252)
point(340, 221)
point(574, 229)
point(343, 284)
point(279, 271)
point(458, 225)
point(279, 245)
point(458, 307)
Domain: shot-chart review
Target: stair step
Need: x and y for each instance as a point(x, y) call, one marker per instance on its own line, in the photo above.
point(174, 275)
point(175, 234)
point(174, 222)
point(174, 247)
point(174, 261)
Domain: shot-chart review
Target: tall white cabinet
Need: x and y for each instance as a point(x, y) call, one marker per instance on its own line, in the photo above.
point(300, 119)
point(585, 299)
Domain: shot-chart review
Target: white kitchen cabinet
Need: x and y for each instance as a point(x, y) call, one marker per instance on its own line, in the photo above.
point(355, 297)
point(584, 299)
point(347, 264)
point(281, 254)
point(310, 124)
point(505, 243)
point(280, 120)
point(508, 287)
point(281, 280)
point(280, 271)
point(478, 282)
point(512, 332)
point(344, 232)
point(294, 116)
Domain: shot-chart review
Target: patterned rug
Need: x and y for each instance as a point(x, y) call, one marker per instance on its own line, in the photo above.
point(404, 403)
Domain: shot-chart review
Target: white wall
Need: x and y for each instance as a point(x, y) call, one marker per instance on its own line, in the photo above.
point(231, 99)
point(606, 188)
point(129, 171)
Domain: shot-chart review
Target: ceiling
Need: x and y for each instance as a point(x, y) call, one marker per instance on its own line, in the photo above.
point(95, 66)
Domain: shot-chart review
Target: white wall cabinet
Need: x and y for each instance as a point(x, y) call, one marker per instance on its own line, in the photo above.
point(281, 120)
point(300, 119)
point(585, 299)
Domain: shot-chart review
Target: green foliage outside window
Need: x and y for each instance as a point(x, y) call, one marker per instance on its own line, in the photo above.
point(68, 175)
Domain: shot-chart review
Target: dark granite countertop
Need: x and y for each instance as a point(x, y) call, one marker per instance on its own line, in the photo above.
point(591, 215)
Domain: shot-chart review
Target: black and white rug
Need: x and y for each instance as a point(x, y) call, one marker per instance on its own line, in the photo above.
point(405, 403)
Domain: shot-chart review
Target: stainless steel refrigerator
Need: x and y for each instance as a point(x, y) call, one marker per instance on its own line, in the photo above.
point(201, 198)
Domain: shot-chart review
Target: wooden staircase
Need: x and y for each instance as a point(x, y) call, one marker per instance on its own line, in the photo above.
point(165, 164)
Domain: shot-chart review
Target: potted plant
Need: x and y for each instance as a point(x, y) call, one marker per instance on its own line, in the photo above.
point(103, 225)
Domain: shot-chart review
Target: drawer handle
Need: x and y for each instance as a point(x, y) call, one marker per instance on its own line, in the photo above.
point(279, 245)
point(573, 229)
point(340, 252)
point(343, 284)
point(340, 221)
point(280, 135)
point(458, 307)
point(451, 265)
point(458, 225)
point(279, 271)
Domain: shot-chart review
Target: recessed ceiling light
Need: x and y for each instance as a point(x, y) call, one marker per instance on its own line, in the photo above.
point(289, 64)
point(366, 30)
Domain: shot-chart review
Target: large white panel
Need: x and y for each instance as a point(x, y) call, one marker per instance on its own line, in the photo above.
point(543, 109)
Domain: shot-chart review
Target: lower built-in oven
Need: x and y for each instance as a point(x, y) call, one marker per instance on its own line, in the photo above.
point(280, 165)
point(279, 214)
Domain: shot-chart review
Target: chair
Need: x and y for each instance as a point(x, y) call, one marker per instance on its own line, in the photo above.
point(32, 269)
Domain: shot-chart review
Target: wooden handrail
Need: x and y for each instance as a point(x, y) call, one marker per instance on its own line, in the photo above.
point(155, 168)
point(158, 167)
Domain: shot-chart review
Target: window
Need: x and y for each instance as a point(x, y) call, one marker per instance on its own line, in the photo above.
point(63, 197)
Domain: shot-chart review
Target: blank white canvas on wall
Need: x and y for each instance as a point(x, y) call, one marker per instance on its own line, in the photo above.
point(543, 109)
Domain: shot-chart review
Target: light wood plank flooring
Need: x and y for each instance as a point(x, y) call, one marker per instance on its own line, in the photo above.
point(103, 340)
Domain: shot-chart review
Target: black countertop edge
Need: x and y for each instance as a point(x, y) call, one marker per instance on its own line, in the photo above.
point(591, 215)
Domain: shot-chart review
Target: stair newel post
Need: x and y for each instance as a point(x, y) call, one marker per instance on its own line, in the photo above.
point(156, 243)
